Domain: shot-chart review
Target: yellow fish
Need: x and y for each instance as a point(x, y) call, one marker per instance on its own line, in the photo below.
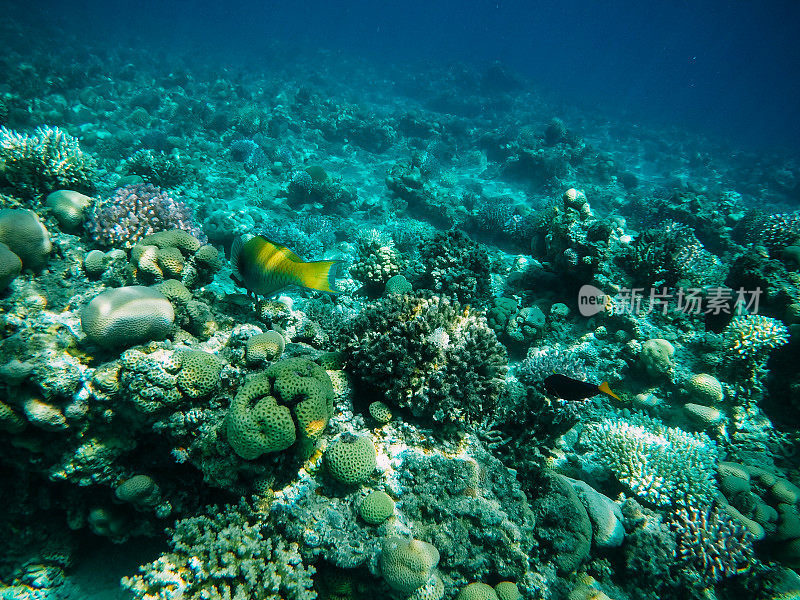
point(265, 268)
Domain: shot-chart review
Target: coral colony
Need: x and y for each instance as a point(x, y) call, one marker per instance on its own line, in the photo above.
point(390, 436)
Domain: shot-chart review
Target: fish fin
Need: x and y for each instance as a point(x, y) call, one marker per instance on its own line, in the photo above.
point(603, 387)
point(236, 250)
point(278, 247)
point(318, 275)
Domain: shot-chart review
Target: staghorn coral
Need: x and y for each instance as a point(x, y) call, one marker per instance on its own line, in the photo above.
point(662, 465)
point(134, 212)
point(714, 544)
point(430, 355)
point(227, 554)
point(49, 160)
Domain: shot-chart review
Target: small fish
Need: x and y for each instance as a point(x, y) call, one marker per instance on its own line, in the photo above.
point(571, 389)
point(265, 268)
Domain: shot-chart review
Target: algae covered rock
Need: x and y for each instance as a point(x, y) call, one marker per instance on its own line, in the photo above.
point(127, 316)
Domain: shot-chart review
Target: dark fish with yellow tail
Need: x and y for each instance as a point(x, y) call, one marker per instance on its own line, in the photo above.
point(571, 389)
point(265, 268)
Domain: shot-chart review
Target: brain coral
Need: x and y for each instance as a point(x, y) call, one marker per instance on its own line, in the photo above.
point(69, 207)
point(477, 591)
point(256, 423)
point(10, 266)
point(26, 236)
point(407, 564)
point(430, 355)
point(351, 459)
point(376, 507)
point(127, 316)
point(705, 389)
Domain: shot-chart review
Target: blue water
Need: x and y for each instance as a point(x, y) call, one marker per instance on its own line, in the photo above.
point(726, 69)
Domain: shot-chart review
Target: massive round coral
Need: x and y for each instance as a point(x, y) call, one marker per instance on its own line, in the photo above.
point(430, 355)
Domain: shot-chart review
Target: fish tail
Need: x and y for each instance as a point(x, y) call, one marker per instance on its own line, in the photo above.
point(318, 275)
point(603, 387)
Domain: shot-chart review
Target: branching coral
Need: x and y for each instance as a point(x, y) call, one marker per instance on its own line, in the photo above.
point(457, 266)
point(663, 465)
point(136, 211)
point(158, 168)
point(49, 160)
point(751, 337)
point(429, 354)
point(226, 554)
point(712, 542)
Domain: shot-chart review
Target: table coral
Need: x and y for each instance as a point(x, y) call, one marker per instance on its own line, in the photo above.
point(662, 465)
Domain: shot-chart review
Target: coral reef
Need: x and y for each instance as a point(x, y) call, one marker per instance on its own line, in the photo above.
point(662, 465)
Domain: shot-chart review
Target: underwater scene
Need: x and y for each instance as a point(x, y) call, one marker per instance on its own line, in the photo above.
point(407, 300)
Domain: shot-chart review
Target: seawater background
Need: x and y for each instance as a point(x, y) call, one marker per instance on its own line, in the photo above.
point(726, 69)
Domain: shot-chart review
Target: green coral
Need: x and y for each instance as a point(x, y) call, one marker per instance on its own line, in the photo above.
point(351, 459)
point(407, 564)
point(199, 374)
point(256, 423)
point(306, 386)
point(49, 160)
point(376, 507)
